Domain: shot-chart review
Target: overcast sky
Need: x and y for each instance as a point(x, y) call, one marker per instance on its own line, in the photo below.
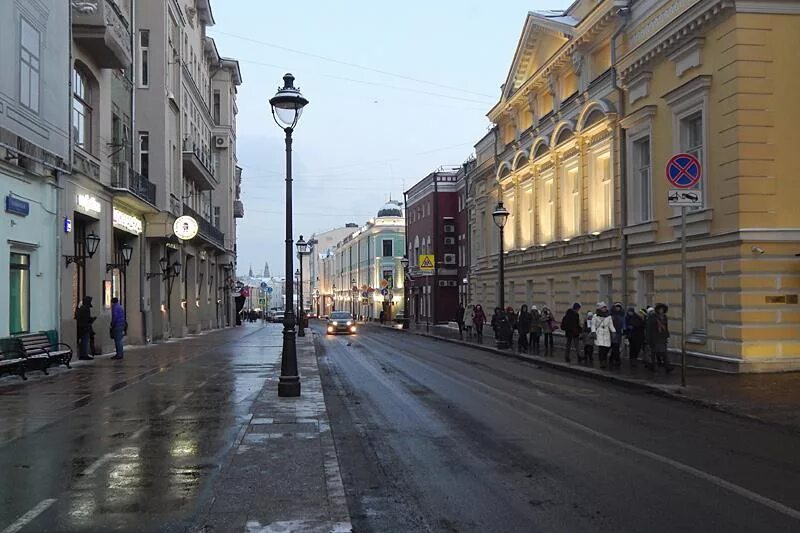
point(395, 92)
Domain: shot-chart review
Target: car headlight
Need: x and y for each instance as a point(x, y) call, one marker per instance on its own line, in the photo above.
point(349, 323)
point(330, 329)
point(335, 323)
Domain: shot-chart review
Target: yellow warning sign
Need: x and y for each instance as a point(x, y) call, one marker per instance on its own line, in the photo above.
point(426, 263)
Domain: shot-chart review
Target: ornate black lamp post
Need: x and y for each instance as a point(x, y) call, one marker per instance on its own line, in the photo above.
point(303, 249)
point(500, 216)
point(406, 278)
point(287, 106)
point(90, 244)
point(353, 295)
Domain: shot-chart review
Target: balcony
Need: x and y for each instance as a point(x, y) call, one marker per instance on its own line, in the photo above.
point(198, 166)
point(103, 29)
point(207, 230)
point(133, 188)
point(238, 209)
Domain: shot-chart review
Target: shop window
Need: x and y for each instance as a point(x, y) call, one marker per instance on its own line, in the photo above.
point(19, 294)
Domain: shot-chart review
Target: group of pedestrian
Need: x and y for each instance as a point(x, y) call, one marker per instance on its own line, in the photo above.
point(643, 331)
point(85, 329)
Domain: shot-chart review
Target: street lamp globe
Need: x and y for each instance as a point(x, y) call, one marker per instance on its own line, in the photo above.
point(127, 252)
point(302, 246)
point(404, 262)
point(176, 269)
point(287, 104)
point(500, 215)
point(92, 241)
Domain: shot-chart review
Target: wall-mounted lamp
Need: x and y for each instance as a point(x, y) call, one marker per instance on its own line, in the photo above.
point(90, 244)
point(127, 252)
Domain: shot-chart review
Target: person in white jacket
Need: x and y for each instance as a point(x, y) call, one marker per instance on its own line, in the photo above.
point(602, 329)
point(469, 317)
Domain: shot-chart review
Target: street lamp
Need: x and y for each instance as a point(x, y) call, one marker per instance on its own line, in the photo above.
point(354, 291)
point(127, 252)
point(406, 278)
point(287, 106)
point(303, 249)
point(500, 216)
point(90, 244)
point(333, 297)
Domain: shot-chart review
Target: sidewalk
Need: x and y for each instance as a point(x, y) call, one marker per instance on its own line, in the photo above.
point(770, 398)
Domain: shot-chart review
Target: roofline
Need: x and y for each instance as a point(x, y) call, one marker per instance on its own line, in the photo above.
point(232, 65)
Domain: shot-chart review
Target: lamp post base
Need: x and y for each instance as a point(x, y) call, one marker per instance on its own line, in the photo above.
point(289, 386)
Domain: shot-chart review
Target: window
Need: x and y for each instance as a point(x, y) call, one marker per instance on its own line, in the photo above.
point(641, 187)
point(526, 217)
point(388, 275)
point(692, 135)
point(550, 296)
point(387, 248)
point(82, 109)
point(511, 293)
point(575, 288)
point(529, 292)
point(20, 294)
point(697, 300)
point(646, 288)
point(546, 222)
point(601, 194)
point(570, 201)
point(216, 107)
point(605, 288)
point(217, 216)
point(29, 66)
point(144, 153)
point(144, 58)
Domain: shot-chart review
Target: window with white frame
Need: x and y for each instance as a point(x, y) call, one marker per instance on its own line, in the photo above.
point(144, 58)
point(696, 312)
point(525, 215)
point(546, 209)
point(144, 153)
point(601, 190)
point(529, 292)
point(511, 223)
point(82, 110)
point(646, 288)
point(550, 294)
point(29, 51)
point(570, 209)
point(640, 208)
point(691, 134)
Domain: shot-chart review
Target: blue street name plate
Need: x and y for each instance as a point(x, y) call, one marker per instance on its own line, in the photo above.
point(17, 206)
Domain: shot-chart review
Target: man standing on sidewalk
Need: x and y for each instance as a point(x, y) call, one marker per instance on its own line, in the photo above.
point(84, 318)
point(571, 324)
point(118, 326)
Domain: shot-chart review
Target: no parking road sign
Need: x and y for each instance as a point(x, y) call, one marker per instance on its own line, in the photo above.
point(683, 174)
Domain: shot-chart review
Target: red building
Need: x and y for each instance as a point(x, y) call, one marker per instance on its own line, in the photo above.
point(436, 226)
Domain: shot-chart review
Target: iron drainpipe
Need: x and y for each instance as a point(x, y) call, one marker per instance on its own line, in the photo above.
point(623, 158)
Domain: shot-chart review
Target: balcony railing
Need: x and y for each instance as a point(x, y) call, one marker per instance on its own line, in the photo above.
point(207, 229)
point(124, 177)
point(198, 164)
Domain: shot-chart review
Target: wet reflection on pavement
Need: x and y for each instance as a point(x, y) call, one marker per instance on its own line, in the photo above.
point(131, 445)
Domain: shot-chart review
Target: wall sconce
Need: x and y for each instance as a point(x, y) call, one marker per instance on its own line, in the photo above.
point(90, 243)
point(127, 252)
point(183, 303)
point(163, 308)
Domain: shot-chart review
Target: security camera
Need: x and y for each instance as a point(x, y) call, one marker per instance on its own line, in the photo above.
point(758, 251)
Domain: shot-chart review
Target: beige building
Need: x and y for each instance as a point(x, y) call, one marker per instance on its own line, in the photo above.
point(598, 98)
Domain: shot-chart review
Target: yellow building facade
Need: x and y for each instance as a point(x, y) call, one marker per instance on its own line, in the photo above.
point(599, 97)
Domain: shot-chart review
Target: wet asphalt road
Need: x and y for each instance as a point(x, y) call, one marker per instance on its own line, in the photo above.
point(433, 436)
point(130, 446)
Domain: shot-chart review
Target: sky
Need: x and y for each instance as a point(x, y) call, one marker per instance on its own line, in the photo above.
point(394, 92)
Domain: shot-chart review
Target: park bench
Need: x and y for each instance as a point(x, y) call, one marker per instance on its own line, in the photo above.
point(12, 362)
point(41, 353)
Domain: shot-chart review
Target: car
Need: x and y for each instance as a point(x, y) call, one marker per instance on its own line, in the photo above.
point(278, 316)
point(341, 322)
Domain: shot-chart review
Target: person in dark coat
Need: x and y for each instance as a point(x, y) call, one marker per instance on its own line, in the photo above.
point(634, 331)
point(618, 316)
point(84, 318)
point(571, 324)
point(505, 328)
point(536, 328)
point(524, 327)
point(548, 326)
point(460, 319)
point(658, 337)
point(495, 323)
point(479, 319)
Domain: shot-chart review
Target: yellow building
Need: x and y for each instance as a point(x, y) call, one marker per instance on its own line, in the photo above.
point(597, 100)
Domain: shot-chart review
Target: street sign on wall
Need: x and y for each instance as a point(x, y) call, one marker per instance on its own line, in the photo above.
point(426, 264)
point(684, 174)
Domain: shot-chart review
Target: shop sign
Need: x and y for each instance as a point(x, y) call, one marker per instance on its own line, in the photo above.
point(126, 222)
point(15, 206)
point(67, 225)
point(89, 204)
point(185, 228)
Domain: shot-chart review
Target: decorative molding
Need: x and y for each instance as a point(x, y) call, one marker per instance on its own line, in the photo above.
point(688, 55)
point(638, 87)
point(774, 7)
point(600, 137)
point(644, 113)
point(689, 89)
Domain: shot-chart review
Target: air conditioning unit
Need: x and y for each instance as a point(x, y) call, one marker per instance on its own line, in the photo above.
point(449, 228)
point(449, 259)
point(442, 283)
point(220, 141)
point(450, 240)
point(452, 283)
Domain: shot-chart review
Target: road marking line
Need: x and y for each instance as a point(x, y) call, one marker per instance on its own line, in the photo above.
point(139, 432)
point(92, 468)
point(169, 410)
point(722, 483)
point(28, 517)
point(187, 395)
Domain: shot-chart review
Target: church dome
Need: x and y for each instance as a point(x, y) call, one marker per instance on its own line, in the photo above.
point(391, 209)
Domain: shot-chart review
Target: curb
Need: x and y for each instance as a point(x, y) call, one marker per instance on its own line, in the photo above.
point(653, 389)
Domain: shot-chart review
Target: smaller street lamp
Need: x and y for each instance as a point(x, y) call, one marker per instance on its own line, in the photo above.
point(303, 249)
point(90, 244)
point(500, 217)
point(127, 252)
point(406, 278)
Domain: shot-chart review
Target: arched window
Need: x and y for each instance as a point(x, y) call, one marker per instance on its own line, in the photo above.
point(563, 136)
point(540, 150)
point(504, 171)
point(593, 118)
point(82, 93)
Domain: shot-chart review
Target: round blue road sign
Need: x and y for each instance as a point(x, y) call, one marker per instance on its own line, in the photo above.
point(684, 171)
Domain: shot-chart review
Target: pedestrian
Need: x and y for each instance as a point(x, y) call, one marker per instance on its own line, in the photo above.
point(84, 318)
point(634, 331)
point(571, 325)
point(469, 319)
point(588, 339)
point(495, 323)
point(511, 316)
point(536, 328)
point(603, 328)
point(479, 319)
point(119, 326)
point(618, 316)
point(658, 337)
point(382, 317)
point(523, 327)
point(460, 319)
point(548, 326)
point(505, 327)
